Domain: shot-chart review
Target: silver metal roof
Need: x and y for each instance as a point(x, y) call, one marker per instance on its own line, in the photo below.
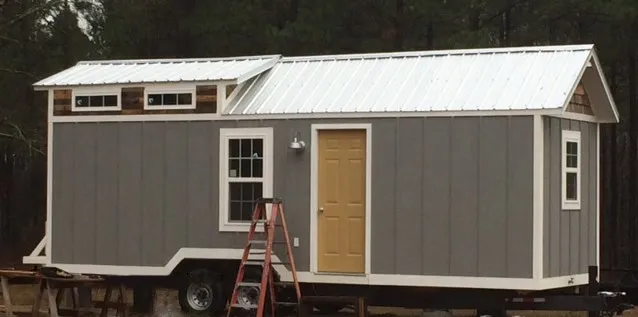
point(107, 72)
point(478, 79)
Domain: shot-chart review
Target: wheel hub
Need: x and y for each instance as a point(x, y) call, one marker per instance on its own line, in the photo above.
point(199, 296)
point(248, 296)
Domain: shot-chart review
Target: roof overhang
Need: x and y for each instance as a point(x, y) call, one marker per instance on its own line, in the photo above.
point(226, 71)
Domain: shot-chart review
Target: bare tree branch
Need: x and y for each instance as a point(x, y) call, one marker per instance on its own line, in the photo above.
point(20, 136)
point(17, 71)
point(45, 6)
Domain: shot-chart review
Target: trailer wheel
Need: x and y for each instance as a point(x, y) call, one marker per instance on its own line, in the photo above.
point(201, 293)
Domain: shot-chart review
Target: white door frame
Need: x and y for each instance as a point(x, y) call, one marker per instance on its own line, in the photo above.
point(314, 188)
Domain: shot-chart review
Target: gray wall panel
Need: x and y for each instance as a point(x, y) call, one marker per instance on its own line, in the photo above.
point(492, 250)
point(201, 196)
point(438, 183)
point(131, 233)
point(570, 241)
point(176, 204)
point(464, 196)
point(384, 168)
point(520, 196)
point(153, 178)
point(62, 191)
point(437, 229)
point(107, 226)
point(84, 190)
point(408, 191)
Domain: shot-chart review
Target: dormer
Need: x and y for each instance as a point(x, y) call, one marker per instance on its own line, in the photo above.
point(159, 86)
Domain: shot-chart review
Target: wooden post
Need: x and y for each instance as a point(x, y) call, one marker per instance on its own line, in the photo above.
point(6, 296)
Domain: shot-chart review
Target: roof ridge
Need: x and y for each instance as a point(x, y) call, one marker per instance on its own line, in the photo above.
point(420, 53)
point(177, 60)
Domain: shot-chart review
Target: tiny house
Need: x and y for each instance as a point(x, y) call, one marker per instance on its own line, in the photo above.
point(470, 168)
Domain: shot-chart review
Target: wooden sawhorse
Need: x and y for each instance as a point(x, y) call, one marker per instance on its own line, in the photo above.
point(5, 276)
point(60, 285)
point(56, 287)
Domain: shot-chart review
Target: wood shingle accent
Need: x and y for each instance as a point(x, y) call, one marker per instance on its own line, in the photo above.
point(580, 102)
point(206, 99)
point(62, 102)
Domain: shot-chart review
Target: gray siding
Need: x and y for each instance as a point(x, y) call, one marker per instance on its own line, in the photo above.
point(450, 196)
point(569, 237)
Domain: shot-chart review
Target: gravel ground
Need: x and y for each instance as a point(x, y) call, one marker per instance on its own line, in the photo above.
point(166, 305)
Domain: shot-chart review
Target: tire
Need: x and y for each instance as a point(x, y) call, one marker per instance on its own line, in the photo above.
point(201, 293)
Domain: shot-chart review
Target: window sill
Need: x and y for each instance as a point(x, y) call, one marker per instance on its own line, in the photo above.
point(171, 107)
point(238, 227)
point(93, 109)
point(572, 206)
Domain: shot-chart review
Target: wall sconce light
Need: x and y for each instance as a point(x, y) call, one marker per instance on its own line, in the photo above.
point(297, 145)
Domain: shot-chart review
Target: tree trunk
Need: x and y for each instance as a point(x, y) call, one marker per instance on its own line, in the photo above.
point(632, 148)
point(398, 25)
point(610, 192)
point(430, 36)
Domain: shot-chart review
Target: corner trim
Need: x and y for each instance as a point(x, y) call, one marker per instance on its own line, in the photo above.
point(49, 217)
point(538, 202)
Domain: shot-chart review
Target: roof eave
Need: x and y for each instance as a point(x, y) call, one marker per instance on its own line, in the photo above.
point(603, 79)
point(221, 81)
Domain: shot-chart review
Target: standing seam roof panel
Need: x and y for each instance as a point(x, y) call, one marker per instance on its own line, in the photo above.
point(158, 71)
point(497, 79)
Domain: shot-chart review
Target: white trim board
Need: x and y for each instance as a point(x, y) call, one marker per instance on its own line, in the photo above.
point(353, 115)
point(314, 188)
point(310, 277)
point(48, 225)
point(538, 202)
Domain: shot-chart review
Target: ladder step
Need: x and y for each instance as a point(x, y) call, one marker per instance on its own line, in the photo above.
point(249, 284)
point(244, 306)
point(269, 201)
point(261, 262)
point(264, 242)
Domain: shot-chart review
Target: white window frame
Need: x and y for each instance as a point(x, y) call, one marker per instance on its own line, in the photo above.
point(96, 91)
point(575, 137)
point(267, 186)
point(150, 90)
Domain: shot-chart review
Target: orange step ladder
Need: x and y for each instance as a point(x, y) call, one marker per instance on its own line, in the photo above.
point(267, 283)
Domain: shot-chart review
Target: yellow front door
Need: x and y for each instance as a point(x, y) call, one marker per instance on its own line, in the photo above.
point(341, 201)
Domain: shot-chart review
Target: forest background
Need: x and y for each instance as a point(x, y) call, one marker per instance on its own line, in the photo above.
point(41, 37)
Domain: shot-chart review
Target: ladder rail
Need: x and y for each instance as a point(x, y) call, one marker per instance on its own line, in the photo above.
point(291, 258)
point(267, 282)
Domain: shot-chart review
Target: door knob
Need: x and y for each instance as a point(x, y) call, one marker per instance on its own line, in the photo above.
point(320, 209)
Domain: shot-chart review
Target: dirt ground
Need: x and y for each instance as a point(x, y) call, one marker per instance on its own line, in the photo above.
point(166, 305)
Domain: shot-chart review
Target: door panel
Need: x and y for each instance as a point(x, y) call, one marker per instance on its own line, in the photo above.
point(341, 198)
